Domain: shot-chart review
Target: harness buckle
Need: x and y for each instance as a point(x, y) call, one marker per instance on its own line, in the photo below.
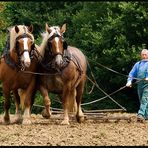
point(22, 68)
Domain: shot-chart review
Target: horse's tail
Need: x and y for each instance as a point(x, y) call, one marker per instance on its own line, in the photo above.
point(22, 97)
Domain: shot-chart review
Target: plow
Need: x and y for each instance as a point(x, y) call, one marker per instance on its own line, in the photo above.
point(106, 117)
point(99, 116)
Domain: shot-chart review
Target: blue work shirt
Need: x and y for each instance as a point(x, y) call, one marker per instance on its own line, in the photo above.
point(139, 70)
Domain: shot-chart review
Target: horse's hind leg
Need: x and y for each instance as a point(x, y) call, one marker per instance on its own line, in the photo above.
point(79, 89)
point(18, 117)
point(46, 112)
point(7, 103)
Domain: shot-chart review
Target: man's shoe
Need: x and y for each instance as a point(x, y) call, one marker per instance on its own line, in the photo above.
point(140, 118)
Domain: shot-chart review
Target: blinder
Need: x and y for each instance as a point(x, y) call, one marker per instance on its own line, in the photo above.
point(49, 45)
point(33, 46)
point(31, 53)
point(65, 45)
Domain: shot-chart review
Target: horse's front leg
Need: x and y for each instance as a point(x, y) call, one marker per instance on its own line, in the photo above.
point(46, 113)
point(65, 103)
point(6, 93)
point(28, 101)
point(18, 117)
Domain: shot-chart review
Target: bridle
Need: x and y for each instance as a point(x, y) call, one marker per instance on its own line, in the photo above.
point(50, 44)
point(25, 35)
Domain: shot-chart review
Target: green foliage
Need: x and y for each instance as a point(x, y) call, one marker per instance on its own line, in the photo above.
point(109, 33)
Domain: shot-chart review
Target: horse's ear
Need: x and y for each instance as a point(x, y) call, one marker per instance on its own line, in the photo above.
point(30, 28)
point(63, 28)
point(47, 28)
point(16, 29)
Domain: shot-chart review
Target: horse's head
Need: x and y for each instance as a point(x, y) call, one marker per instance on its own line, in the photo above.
point(23, 43)
point(56, 42)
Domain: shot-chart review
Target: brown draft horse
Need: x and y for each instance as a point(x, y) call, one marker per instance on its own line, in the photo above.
point(20, 57)
point(67, 67)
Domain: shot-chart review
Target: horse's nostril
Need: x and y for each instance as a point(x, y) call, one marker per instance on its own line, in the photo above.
point(57, 64)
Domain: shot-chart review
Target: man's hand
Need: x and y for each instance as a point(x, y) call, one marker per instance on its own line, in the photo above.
point(146, 79)
point(129, 84)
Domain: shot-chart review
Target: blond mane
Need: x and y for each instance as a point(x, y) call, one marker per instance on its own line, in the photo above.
point(13, 35)
point(45, 36)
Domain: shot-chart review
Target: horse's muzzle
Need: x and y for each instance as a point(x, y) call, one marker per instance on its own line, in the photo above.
point(58, 60)
point(26, 59)
point(27, 64)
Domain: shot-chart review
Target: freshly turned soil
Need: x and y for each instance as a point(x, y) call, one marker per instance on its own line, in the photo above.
point(116, 131)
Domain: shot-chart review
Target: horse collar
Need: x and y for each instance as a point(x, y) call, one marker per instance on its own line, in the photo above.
point(10, 62)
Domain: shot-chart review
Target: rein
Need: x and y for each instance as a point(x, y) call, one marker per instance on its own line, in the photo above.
point(38, 73)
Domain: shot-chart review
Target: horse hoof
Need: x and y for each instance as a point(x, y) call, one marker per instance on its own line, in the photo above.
point(16, 120)
point(6, 121)
point(65, 122)
point(26, 122)
point(1, 121)
point(80, 119)
point(45, 114)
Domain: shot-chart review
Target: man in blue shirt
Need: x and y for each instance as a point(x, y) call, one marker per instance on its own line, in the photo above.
point(140, 72)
